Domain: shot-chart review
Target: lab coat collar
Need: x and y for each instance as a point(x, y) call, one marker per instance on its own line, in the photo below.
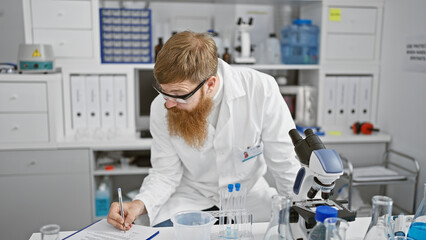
point(233, 87)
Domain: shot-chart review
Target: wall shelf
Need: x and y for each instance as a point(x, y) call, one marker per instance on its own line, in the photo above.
point(122, 171)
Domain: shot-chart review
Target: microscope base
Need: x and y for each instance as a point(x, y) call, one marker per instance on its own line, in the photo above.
point(245, 60)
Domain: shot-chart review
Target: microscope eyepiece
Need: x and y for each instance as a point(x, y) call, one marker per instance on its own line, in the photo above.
point(295, 136)
point(313, 140)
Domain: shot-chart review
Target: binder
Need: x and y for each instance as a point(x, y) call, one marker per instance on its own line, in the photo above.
point(352, 100)
point(120, 101)
point(365, 98)
point(78, 102)
point(330, 100)
point(92, 100)
point(106, 84)
point(341, 112)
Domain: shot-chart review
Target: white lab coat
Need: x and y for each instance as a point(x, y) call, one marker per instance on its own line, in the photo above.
point(252, 112)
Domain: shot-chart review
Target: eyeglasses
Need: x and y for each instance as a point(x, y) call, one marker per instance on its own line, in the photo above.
point(178, 98)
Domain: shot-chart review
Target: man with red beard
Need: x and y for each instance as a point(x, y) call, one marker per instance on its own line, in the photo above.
point(212, 125)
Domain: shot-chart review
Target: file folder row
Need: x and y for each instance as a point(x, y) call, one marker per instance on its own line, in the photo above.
point(347, 99)
point(98, 101)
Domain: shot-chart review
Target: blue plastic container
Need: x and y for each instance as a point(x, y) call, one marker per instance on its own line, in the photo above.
point(299, 43)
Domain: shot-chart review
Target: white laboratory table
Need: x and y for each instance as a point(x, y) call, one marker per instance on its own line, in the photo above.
point(356, 231)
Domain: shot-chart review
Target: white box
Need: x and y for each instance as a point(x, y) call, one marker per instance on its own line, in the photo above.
point(78, 102)
point(93, 101)
point(120, 101)
point(106, 83)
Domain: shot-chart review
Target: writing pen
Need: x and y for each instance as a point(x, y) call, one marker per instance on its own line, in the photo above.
point(120, 200)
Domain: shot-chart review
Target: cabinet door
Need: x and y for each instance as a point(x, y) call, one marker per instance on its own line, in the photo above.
point(67, 43)
point(29, 201)
point(61, 14)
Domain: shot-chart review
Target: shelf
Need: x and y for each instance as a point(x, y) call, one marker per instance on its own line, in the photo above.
point(254, 66)
point(279, 66)
point(122, 171)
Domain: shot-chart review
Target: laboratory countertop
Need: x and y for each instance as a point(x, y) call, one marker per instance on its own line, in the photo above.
point(356, 231)
point(134, 143)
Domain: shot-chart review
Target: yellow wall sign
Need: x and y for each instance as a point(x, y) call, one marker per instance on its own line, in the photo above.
point(334, 15)
point(36, 53)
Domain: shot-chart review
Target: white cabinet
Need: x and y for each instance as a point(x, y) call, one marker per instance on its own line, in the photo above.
point(30, 108)
point(61, 14)
point(66, 25)
point(43, 187)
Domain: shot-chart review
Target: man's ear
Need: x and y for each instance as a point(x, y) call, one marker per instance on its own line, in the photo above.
point(211, 83)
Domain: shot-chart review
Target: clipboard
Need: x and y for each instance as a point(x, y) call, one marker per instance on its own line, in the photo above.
point(101, 228)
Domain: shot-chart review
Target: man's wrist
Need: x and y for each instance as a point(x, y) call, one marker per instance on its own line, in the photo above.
point(140, 206)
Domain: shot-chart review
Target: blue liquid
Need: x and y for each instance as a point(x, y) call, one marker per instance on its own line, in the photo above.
point(417, 231)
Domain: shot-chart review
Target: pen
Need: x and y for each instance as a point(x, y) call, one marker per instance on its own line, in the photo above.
point(120, 199)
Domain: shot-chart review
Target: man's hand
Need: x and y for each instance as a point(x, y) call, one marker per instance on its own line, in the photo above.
point(131, 210)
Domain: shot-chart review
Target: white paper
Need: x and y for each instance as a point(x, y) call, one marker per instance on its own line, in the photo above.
point(103, 231)
point(415, 54)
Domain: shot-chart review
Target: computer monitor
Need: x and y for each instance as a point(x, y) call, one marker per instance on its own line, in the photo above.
point(144, 95)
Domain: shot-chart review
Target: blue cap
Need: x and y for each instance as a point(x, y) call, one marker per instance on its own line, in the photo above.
point(237, 187)
point(299, 21)
point(230, 187)
point(324, 212)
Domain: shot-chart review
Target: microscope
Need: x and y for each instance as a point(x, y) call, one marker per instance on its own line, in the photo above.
point(320, 169)
point(244, 50)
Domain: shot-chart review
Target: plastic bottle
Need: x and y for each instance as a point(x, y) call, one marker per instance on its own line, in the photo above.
point(158, 48)
point(299, 43)
point(273, 52)
point(279, 226)
point(103, 199)
point(319, 230)
point(380, 227)
point(417, 229)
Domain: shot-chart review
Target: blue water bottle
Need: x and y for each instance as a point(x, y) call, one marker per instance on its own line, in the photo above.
point(299, 43)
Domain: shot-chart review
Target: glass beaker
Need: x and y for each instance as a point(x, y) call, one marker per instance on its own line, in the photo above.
point(380, 226)
point(279, 226)
point(193, 225)
point(50, 232)
point(335, 228)
point(417, 229)
point(401, 238)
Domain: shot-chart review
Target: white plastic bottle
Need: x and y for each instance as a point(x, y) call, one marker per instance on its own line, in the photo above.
point(102, 199)
point(318, 232)
point(273, 50)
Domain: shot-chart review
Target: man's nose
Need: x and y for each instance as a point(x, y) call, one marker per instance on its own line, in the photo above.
point(170, 103)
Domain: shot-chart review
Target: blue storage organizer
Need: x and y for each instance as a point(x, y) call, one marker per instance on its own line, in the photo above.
point(125, 35)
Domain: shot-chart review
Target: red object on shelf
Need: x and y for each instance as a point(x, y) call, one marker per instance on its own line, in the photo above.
point(109, 167)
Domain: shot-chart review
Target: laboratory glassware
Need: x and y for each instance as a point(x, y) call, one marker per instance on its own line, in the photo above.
point(380, 226)
point(335, 228)
point(50, 232)
point(318, 232)
point(279, 226)
point(417, 229)
point(193, 225)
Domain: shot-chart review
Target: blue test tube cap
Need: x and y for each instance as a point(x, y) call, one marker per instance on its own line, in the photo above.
point(230, 187)
point(237, 187)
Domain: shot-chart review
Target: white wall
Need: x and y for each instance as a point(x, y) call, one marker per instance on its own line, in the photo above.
point(402, 100)
point(11, 29)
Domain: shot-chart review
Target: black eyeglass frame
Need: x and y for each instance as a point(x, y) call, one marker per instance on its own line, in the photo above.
point(183, 97)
